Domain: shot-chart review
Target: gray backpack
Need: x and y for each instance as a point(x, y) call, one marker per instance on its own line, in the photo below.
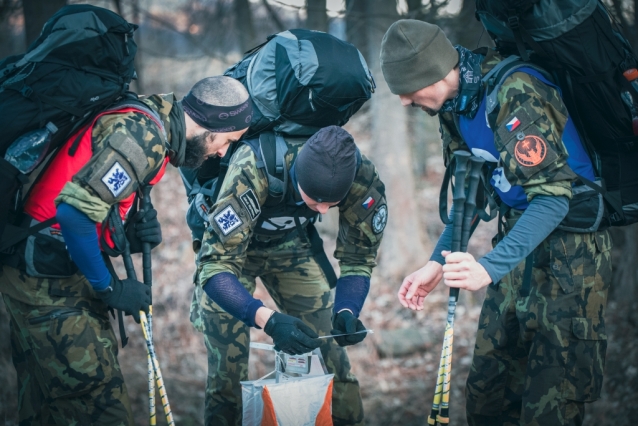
point(302, 80)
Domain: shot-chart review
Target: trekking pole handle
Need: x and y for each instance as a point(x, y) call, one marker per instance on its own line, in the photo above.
point(146, 247)
point(476, 163)
point(458, 197)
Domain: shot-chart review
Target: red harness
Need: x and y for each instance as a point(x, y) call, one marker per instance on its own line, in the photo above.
point(40, 204)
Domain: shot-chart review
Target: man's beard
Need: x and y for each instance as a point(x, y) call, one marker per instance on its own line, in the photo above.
point(196, 151)
point(427, 110)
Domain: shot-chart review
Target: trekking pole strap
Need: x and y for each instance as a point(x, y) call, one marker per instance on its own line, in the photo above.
point(443, 205)
point(120, 314)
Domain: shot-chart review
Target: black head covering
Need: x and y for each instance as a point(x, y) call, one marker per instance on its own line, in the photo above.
point(326, 165)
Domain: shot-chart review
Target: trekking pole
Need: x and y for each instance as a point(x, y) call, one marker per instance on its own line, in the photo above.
point(458, 199)
point(131, 274)
point(147, 326)
point(147, 329)
point(469, 208)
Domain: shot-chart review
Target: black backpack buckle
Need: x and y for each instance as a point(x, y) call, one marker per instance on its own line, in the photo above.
point(26, 91)
point(513, 22)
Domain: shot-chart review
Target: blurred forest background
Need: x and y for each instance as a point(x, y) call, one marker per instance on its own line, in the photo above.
point(182, 41)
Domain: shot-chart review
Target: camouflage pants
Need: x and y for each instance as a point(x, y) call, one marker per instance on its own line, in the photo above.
point(299, 288)
point(540, 352)
point(64, 351)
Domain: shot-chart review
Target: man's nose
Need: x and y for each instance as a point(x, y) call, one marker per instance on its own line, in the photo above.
point(322, 208)
point(222, 151)
point(405, 100)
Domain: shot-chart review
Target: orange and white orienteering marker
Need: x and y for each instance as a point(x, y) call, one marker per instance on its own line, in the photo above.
point(300, 393)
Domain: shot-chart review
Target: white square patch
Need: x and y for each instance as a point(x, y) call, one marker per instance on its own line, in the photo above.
point(116, 179)
point(228, 220)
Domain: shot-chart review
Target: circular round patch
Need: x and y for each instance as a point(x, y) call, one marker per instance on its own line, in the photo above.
point(380, 219)
point(530, 151)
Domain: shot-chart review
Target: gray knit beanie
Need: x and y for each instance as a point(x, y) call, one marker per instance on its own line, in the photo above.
point(414, 55)
point(326, 165)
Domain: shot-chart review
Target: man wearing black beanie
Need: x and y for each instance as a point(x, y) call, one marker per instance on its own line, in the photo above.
point(262, 226)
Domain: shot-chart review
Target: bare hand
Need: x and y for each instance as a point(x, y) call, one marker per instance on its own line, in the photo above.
point(461, 270)
point(419, 284)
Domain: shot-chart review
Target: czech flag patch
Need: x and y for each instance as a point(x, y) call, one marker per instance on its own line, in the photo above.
point(513, 124)
point(368, 203)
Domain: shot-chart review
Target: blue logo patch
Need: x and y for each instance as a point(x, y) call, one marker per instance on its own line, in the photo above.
point(116, 179)
point(227, 220)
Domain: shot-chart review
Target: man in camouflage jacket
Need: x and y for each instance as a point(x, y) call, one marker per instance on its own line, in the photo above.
point(249, 236)
point(57, 288)
point(540, 346)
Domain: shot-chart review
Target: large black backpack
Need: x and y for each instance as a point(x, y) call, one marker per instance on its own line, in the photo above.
point(579, 45)
point(301, 80)
point(81, 63)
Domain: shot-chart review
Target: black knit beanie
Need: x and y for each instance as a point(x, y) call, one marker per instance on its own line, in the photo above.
point(326, 165)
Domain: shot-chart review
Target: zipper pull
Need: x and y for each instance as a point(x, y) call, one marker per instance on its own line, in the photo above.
point(126, 44)
point(310, 100)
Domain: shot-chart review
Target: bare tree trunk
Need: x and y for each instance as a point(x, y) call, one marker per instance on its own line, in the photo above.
point(415, 9)
point(356, 28)
point(317, 16)
point(139, 68)
point(402, 249)
point(467, 30)
point(36, 13)
point(273, 15)
point(244, 24)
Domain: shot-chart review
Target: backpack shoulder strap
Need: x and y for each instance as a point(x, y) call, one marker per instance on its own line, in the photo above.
point(494, 79)
point(273, 150)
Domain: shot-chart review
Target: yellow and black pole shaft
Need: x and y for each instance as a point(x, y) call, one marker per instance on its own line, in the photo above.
point(464, 216)
point(461, 159)
point(147, 327)
point(469, 213)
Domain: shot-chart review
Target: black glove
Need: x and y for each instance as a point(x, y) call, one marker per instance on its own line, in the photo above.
point(143, 227)
point(291, 335)
point(345, 323)
point(130, 296)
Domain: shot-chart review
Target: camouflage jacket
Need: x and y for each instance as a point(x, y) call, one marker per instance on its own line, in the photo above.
point(232, 220)
point(131, 139)
point(523, 95)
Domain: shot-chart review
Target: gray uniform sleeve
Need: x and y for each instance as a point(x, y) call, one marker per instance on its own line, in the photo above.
point(540, 219)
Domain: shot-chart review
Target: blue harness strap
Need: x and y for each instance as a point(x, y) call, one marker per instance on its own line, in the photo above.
point(479, 137)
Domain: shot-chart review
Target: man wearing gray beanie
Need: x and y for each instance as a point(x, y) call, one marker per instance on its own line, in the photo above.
point(540, 346)
point(262, 225)
point(67, 365)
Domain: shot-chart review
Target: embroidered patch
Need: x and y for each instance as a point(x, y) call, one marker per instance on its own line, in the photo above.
point(249, 200)
point(116, 179)
point(530, 151)
point(368, 203)
point(228, 220)
point(499, 181)
point(380, 219)
point(513, 124)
